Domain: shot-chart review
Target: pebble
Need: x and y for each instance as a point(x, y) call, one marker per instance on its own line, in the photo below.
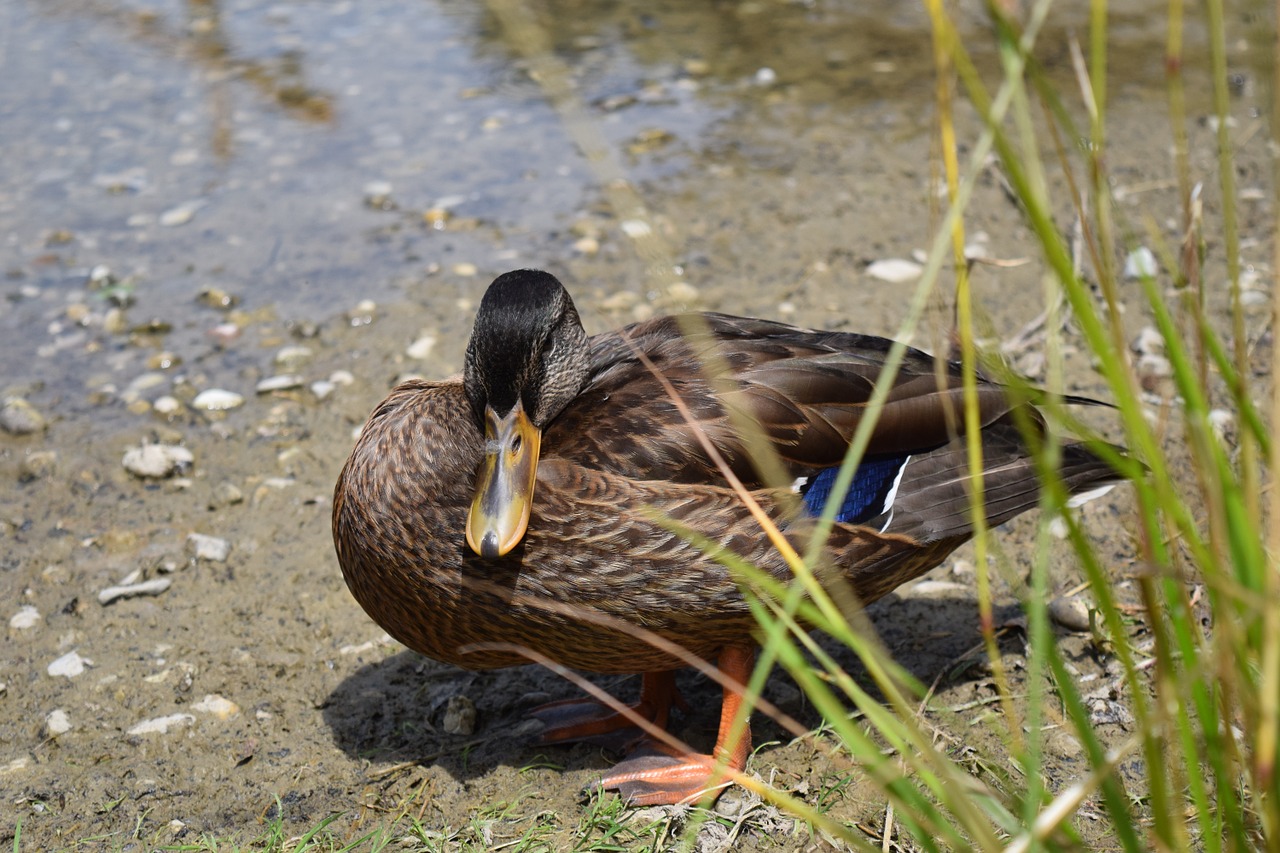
point(293, 355)
point(26, 617)
point(167, 405)
point(217, 400)
point(1140, 263)
point(37, 465)
point(226, 494)
point(151, 587)
point(464, 269)
point(182, 214)
point(586, 245)
point(459, 716)
point(57, 723)
point(161, 725)
point(1222, 422)
point(218, 706)
point(215, 297)
point(895, 270)
point(69, 665)
point(1149, 341)
point(19, 417)
point(209, 547)
point(281, 382)
point(422, 347)
point(1071, 612)
point(157, 461)
point(1065, 745)
point(322, 388)
point(377, 195)
point(635, 228)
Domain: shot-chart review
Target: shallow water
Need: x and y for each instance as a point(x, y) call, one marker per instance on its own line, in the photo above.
point(187, 189)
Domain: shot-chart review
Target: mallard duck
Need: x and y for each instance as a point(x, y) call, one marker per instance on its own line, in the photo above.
point(517, 511)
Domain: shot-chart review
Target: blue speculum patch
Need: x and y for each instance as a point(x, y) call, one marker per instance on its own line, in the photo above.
point(870, 495)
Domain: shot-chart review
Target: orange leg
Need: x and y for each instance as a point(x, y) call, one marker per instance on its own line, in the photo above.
point(656, 774)
point(582, 719)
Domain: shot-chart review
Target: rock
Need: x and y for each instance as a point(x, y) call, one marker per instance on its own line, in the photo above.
point(157, 461)
point(37, 465)
point(322, 388)
point(218, 706)
point(182, 214)
point(151, 587)
point(1071, 612)
point(1140, 263)
point(167, 406)
point(293, 355)
point(57, 723)
point(217, 400)
point(1065, 745)
point(283, 382)
point(161, 725)
point(19, 417)
point(422, 347)
point(895, 270)
point(459, 716)
point(69, 665)
point(209, 547)
point(225, 494)
point(26, 618)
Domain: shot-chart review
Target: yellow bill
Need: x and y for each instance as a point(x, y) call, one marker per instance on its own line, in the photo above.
point(499, 513)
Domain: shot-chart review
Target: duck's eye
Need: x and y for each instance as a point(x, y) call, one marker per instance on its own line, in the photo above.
point(516, 442)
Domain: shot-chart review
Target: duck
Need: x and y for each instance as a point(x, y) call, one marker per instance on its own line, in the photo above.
point(537, 507)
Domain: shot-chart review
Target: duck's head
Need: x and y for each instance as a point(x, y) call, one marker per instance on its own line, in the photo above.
point(527, 359)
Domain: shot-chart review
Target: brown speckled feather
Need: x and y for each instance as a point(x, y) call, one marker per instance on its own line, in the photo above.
point(620, 450)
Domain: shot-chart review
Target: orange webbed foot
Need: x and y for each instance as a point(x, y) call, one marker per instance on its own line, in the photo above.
point(573, 720)
point(660, 774)
point(657, 775)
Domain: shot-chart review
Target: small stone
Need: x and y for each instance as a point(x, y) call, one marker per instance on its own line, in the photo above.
point(895, 270)
point(586, 245)
point(161, 725)
point(635, 228)
point(459, 716)
point(182, 214)
point(214, 297)
point(1065, 745)
point(37, 465)
point(1222, 422)
point(69, 665)
point(1140, 263)
point(422, 347)
point(167, 406)
point(163, 361)
point(131, 590)
point(1149, 341)
point(464, 269)
point(225, 494)
point(1071, 612)
point(766, 76)
point(157, 461)
point(322, 388)
point(26, 617)
point(217, 400)
point(377, 195)
point(293, 355)
point(682, 293)
point(208, 547)
point(218, 706)
point(342, 377)
point(282, 382)
point(19, 417)
point(57, 723)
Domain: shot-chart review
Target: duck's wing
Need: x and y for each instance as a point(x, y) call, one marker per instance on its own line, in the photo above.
point(807, 390)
